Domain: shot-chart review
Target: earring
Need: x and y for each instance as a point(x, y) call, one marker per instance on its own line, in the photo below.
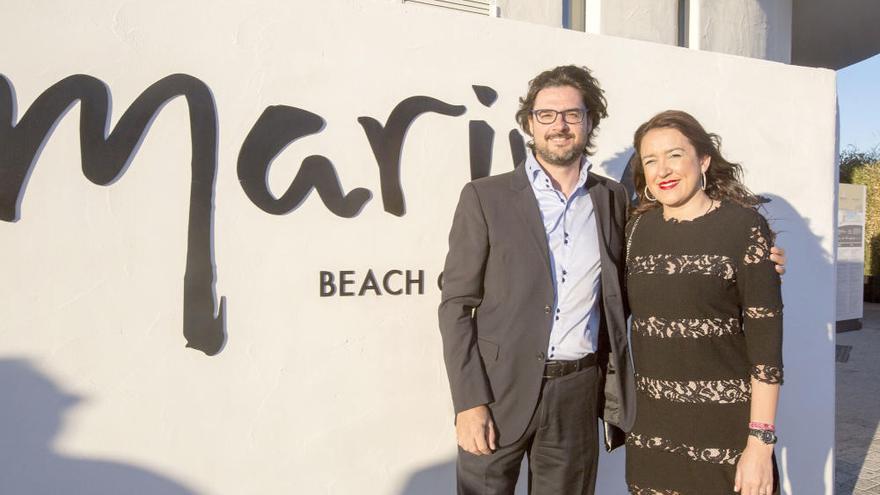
point(647, 195)
point(703, 181)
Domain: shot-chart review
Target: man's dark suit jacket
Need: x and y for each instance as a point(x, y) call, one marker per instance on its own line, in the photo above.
point(497, 303)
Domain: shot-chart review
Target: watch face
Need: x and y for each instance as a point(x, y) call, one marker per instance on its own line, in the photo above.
point(765, 436)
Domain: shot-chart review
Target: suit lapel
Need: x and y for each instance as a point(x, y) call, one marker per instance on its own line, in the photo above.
point(530, 213)
point(602, 206)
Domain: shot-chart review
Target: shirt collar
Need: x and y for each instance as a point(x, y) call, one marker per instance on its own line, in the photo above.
point(541, 180)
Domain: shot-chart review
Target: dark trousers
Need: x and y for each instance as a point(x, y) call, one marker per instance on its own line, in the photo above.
point(561, 441)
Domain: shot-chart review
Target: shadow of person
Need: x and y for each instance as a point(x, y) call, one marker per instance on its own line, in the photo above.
point(618, 168)
point(808, 352)
point(30, 419)
point(439, 479)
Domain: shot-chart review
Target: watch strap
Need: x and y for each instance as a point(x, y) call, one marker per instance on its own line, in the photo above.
point(765, 436)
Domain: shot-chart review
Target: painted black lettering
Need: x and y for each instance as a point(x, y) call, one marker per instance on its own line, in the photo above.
point(386, 283)
point(328, 284)
point(277, 128)
point(345, 280)
point(485, 95)
point(387, 143)
point(105, 158)
point(418, 281)
point(370, 283)
point(480, 139)
point(517, 147)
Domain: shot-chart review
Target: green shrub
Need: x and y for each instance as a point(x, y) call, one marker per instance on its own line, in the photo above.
point(859, 167)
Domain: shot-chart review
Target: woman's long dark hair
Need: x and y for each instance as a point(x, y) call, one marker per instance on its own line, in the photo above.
point(723, 179)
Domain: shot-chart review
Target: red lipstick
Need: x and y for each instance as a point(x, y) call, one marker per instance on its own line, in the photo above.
point(668, 184)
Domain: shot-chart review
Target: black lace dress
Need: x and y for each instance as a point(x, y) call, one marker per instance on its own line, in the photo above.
point(706, 318)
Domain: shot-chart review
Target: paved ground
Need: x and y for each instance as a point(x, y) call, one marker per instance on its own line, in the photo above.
point(857, 460)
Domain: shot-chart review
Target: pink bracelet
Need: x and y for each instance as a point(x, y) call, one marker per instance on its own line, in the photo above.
point(761, 426)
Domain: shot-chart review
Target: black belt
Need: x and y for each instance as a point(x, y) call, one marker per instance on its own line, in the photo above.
point(556, 369)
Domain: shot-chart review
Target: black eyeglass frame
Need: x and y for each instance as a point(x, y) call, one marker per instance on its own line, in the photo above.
point(579, 115)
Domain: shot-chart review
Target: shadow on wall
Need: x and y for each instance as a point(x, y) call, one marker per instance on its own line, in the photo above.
point(439, 479)
point(30, 420)
point(617, 167)
point(807, 393)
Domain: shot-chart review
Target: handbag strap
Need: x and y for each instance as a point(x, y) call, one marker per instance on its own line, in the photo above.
point(629, 238)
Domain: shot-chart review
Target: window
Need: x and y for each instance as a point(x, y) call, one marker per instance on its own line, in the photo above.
point(573, 14)
point(683, 20)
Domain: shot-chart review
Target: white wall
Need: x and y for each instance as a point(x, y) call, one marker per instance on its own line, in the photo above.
point(751, 28)
point(655, 20)
point(334, 394)
point(545, 12)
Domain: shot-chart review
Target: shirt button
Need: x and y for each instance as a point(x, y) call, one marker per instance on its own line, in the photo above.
point(564, 272)
point(557, 318)
point(547, 309)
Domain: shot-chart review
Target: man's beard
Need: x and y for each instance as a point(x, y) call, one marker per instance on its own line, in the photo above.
point(562, 158)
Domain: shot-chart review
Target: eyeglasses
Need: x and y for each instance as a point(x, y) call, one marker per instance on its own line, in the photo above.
point(570, 116)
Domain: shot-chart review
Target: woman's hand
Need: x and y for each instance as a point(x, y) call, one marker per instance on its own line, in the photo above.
point(754, 471)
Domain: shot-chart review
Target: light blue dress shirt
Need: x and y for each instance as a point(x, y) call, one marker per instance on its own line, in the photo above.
point(570, 224)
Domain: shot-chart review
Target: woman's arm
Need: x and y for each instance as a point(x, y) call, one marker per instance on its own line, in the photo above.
point(758, 284)
point(754, 472)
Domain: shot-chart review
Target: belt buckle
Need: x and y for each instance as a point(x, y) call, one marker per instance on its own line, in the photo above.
point(557, 369)
point(551, 370)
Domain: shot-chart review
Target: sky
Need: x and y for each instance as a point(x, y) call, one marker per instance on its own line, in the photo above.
point(858, 97)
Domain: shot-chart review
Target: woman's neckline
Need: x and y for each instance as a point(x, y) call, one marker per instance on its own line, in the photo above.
point(717, 206)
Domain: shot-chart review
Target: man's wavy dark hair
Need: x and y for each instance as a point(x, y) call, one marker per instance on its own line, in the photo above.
point(577, 77)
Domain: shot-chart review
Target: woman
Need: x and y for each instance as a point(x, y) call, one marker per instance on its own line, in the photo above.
point(707, 319)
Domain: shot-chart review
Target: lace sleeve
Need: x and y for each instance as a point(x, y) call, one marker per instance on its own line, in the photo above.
point(760, 295)
point(768, 374)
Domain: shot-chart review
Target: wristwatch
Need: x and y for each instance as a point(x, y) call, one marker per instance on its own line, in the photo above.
point(765, 436)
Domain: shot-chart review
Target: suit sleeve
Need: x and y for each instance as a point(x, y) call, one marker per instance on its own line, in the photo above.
point(621, 217)
point(462, 293)
point(623, 200)
point(761, 301)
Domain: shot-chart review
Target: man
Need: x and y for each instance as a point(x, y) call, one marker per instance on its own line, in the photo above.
point(533, 314)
